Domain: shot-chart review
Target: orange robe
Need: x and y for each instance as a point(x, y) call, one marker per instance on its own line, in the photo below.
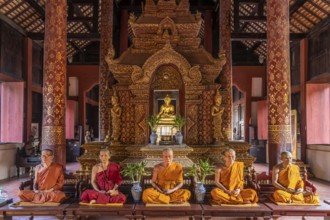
point(47, 178)
point(167, 179)
point(232, 178)
point(290, 178)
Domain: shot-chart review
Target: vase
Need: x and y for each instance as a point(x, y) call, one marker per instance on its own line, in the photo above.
point(153, 137)
point(179, 137)
point(136, 191)
point(200, 192)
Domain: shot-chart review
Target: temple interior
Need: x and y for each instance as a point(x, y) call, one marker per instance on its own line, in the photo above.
point(140, 76)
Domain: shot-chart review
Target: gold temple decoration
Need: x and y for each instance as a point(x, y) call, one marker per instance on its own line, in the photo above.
point(216, 112)
point(166, 55)
point(116, 111)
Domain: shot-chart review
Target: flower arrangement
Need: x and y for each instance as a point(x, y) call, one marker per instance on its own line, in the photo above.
point(135, 171)
point(201, 170)
point(179, 121)
point(152, 122)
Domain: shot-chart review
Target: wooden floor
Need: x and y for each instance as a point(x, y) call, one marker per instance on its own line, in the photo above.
point(11, 185)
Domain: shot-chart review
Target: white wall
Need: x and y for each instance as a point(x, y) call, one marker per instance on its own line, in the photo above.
point(318, 157)
point(8, 159)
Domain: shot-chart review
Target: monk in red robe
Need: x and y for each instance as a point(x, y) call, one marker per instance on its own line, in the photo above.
point(106, 179)
point(48, 181)
point(167, 180)
point(230, 182)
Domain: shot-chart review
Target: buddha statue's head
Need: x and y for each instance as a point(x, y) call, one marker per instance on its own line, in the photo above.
point(167, 99)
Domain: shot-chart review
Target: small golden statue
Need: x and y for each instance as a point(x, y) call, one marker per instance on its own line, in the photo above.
point(88, 137)
point(167, 112)
point(116, 111)
point(216, 112)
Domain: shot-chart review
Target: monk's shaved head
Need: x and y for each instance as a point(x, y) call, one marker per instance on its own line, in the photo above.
point(228, 150)
point(105, 151)
point(286, 154)
point(49, 152)
point(168, 149)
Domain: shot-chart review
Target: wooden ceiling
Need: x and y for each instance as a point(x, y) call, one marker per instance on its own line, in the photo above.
point(248, 19)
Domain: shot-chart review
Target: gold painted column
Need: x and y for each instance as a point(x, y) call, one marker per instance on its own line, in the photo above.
point(106, 79)
point(226, 74)
point(278, 84)
point(54, 88)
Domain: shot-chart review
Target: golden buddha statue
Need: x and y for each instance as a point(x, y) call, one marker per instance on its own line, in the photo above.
point(167, 112)
point(216, 112)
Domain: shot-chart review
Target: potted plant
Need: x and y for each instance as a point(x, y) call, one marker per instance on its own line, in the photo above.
point(200, 171)
point(153, 122)
point(179, 121)
point(135, 171)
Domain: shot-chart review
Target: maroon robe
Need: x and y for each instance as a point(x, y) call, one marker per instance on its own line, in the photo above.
point(106, 180)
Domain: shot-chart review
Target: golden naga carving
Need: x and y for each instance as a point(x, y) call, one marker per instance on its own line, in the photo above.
point(194, 76)
point(138, 77)
point(109, 57)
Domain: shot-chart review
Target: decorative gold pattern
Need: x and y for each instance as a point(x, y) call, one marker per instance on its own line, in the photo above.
point(105, 44)
point(128, 116)
point(226, 76)
point(278, 62)
point(141, 127)
point(192, 125)
point(54, 92)
point(53, 135)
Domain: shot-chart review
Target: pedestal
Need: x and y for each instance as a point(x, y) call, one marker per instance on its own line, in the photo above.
point(152, 155)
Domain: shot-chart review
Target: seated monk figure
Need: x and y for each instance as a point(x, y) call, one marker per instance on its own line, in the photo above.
point(167, 179)
point(288, 183)
point(105, 180)
point(230, 182)
point(48, 181)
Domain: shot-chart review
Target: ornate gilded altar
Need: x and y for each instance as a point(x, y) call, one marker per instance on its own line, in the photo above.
point(166, 57)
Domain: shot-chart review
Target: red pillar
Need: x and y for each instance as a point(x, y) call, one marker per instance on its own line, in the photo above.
point(28, 88)
point(278, 79)
point(105, 44)
point(226, 74)
point(54, 88)
point(303, 80)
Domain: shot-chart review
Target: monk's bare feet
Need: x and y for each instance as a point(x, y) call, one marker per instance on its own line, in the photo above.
point(92, 202)
point(178, 202)
point(246, 202)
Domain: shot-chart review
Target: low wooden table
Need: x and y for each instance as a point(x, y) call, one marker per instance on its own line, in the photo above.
point(303, 211)
point(76, 210)
point(194, 211)
point(10, 210)
point(210, 211)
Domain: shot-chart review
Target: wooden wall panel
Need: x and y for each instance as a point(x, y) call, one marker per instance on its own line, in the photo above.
point(262, 120)
point(12, 111)
point(318, 113)
point(69, 119)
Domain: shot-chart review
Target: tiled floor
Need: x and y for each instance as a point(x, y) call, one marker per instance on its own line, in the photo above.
point(12, 185)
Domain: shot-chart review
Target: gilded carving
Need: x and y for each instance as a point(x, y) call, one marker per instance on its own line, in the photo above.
point(115, 111)
point(53, 135)
point(279, 73)
point(105, 77)
point(141, 127)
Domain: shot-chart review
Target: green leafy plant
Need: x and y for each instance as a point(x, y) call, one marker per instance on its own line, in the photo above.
point(201, 170)
point(134, 170)
point(152, 122)
point(179, 121)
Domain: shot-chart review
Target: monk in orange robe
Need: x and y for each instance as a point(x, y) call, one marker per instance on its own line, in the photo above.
point(167, 180)
point(288, 183)
point(48, 181)
point(230, 182)
point(105, 181)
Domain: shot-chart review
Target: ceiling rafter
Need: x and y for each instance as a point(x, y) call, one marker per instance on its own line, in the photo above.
point(318, 7)
point(37, 8)
point(14, 8)
point(296, 6)
point(309, 11)
point(305, 17)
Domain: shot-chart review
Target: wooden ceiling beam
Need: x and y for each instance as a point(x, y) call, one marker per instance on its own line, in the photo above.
point(306, 18)
point(255, 46)
point(81, 19)
point(14, 8)
point(262, 36)
point(252, 18)
point(37, 8)
point(312, 13)
point(318, 7)
point(296, 6)
point(72, 36)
